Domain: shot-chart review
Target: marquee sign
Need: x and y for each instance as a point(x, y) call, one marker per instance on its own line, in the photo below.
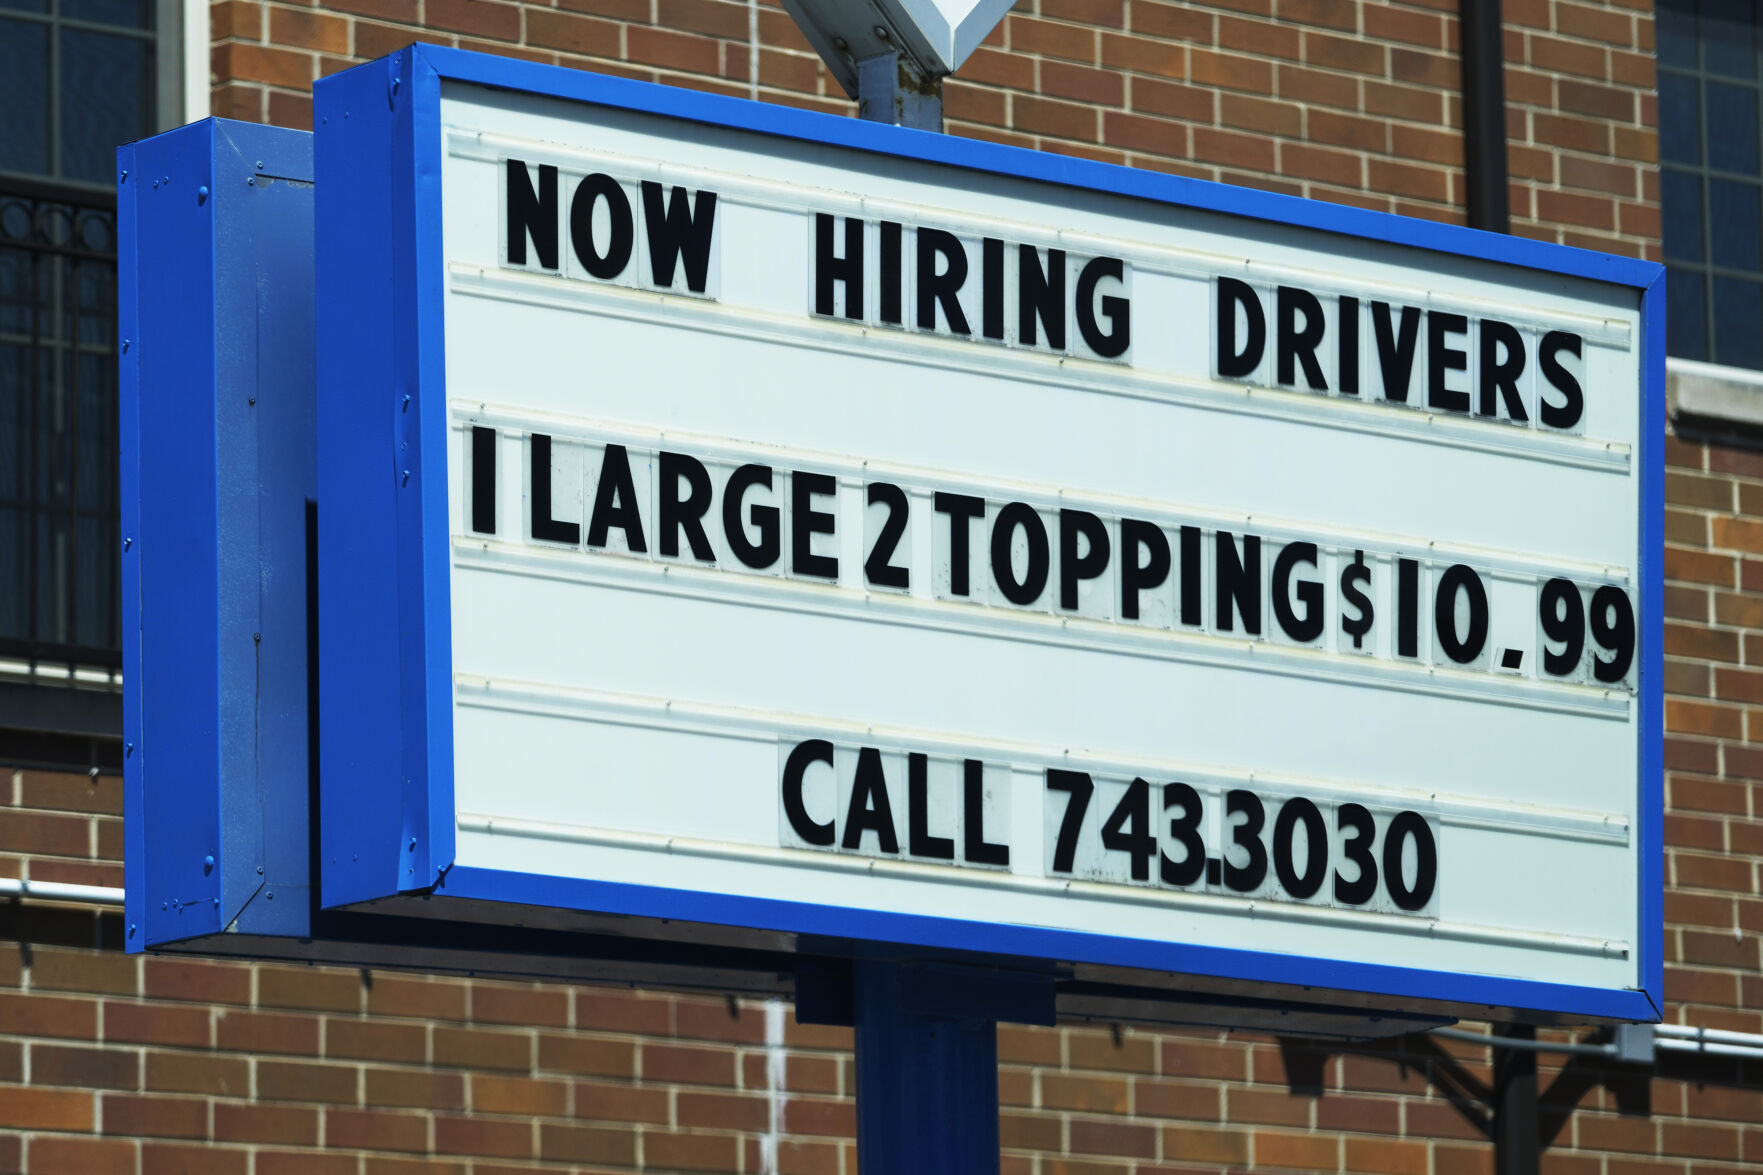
point(795, 527)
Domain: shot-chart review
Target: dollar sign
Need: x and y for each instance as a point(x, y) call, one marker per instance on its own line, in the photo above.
point(1352, 577)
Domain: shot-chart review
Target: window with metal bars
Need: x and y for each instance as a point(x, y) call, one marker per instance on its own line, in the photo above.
point(1711, 177)
point(58, 442)
point(77, 78)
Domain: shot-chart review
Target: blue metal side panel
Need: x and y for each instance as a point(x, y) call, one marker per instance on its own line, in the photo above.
point(431, 795)
point(419, 369)
point(215, 241)
point(238, 630)
point(128, 431)
point(365, 258)
point(1651, 833)
point(266, 340)
point(172, 671)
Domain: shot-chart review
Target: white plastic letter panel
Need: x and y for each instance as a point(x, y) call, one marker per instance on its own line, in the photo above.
point(626, 712)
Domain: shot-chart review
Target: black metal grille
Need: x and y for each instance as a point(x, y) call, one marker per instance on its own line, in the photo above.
point(59, 514)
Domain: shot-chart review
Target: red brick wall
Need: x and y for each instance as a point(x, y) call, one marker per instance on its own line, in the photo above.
point(1714, 734)
point(116, 1063)
point(1348, 100)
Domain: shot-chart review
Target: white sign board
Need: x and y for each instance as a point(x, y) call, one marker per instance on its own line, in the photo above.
point(869, 545)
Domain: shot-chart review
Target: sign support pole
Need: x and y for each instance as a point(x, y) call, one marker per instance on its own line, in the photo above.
point(927, 1084)
point(890, 89)
point(1515, 1105)
point(927, 1055)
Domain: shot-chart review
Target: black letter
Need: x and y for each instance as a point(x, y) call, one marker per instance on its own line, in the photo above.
point(679, 231)
point(869, 810)
point(1458, 578)
point(1347, 370)
point(1028, 589)
point(1355, 818)
point(1568, 414)
point(976, 848)
point(1612, 624)
point(1232, 363)
point(1190, 577)
point(1395, 348)
point(765, 552)
point(815, 750)
point(1040, 294)
point(1426, 861)
point(1239, 582)
point(674, 513)
point(1407, 608)
point(610, 264)
point(991, 288)
point(806, 522)
point(1135, 577)
point(1078, 788)
point(1440, 359)
point(483, 480)
point(961, 508)
point(890, 272)
point(1308, 627)
point(1353, 578)
point(879, 567)
point(1117, 309)
point(919, 841)
point(615, 503)
point(934, 287)
point(848, 269)
point(1292, 813)
point(1561, 612)
point(544, 526)
point(1500, 378)
point(1072, 566)
point(531, 212)
point(1291, 344)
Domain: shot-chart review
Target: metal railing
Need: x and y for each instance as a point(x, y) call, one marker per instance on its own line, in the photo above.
point(59, 513)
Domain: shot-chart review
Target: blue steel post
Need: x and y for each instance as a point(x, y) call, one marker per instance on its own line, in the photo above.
point(927, 1085)
point(927, 1062)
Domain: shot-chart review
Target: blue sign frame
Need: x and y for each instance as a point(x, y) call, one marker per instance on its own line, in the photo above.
point(385, 664)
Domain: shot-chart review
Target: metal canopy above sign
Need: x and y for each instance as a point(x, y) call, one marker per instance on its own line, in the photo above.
point(754, 529)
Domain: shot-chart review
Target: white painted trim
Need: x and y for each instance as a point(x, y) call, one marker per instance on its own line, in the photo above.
point(1711, 391)
point(198, 102)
